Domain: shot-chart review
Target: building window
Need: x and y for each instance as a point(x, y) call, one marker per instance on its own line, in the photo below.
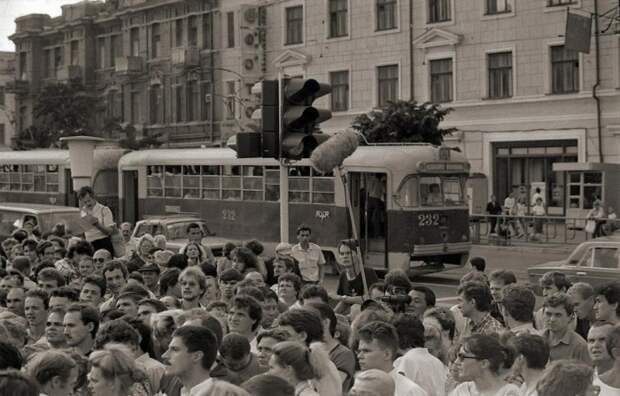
point(340, 90)
point(178, 102)
point(134, 97)
point(205, 104)
point(115, 105)
point(231, 104)
point(564, 70)
point(193, 101)
point(338, 14)
point(2, 95)
point(441, 80)
point(438, 11)
point(386, 14)
point(155, 41)
point(23, 65)
point(553, 3)
point(47, 63)
point(207, 31)
point(387, 78)
point(101, 52)
point(500, 75)
point(230, 23)
point(75, 53)
point(57, 59)
point(116, 49)
point(192, 31)
point(156, 105)
point(498, 6)
point(294, 25)
point(178, 32)
point(134, 34)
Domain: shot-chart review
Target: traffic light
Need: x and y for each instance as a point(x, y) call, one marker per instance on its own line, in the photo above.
point(300, 134)
point(270, 119)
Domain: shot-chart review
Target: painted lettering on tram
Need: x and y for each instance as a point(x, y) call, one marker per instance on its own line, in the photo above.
point(428, 220)
point(322, 214)
point(229, 214)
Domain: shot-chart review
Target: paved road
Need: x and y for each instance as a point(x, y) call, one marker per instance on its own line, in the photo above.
point(515, 259)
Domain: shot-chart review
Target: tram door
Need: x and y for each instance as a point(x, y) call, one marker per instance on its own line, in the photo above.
point(368, 194)
point(130, 193)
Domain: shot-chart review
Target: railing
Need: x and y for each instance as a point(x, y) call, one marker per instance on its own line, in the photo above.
point(525, 230)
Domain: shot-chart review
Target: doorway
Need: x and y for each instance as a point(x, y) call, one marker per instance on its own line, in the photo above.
point(368, 198)
point(130, 194)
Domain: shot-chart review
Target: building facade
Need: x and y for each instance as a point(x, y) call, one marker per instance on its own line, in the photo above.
point(183, 69)
point(7, 104)
point(521, 101)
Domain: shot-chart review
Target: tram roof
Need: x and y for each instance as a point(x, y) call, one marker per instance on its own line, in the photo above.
point(394, 157)
point(103, 158)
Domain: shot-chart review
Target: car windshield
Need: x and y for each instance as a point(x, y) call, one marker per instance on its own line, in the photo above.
point(431, 191)
point(600, 257)
point(172, 231)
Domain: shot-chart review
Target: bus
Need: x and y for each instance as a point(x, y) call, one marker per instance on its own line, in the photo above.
point(44, 177)
point(408, 201)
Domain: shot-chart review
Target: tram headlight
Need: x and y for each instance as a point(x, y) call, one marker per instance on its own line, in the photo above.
point(464, 238)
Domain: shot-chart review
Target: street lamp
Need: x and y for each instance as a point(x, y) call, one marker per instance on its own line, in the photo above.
point(81, 152)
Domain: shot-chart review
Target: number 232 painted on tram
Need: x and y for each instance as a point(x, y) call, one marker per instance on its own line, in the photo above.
point(408, 201)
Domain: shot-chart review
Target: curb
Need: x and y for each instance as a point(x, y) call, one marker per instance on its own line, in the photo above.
point(566, 249)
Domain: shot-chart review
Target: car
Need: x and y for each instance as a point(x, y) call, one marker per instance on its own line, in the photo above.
point(596, 262)
point(14, 215)
point(174, 228)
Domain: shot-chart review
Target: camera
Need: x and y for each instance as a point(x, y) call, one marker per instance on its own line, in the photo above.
point(398, 302)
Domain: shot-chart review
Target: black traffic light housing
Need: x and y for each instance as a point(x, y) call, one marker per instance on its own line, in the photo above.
point(270, 119)
point(300, 134)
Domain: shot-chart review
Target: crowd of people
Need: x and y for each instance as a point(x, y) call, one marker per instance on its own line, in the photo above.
point(76, 320)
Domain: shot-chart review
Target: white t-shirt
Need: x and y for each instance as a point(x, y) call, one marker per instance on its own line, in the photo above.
point(606, 390)
point(104, 215)
point(423, 369)
point(403, 386)
point(309, 261)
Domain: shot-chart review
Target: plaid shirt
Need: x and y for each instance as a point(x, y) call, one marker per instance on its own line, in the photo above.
point(488, 325)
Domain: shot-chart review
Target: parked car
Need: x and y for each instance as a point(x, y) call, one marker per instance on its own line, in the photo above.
point(596, 262)
point(15, 215)
point(174, 228)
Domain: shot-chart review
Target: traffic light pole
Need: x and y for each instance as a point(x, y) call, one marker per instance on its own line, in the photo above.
point(283, 169)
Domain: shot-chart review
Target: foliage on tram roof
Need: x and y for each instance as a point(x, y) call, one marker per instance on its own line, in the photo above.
point(103, 159)
point(380, 157)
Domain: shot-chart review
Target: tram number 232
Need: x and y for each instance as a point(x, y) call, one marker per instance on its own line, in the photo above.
point(428, 220)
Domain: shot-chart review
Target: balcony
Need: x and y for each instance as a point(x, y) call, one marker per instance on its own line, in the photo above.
point(128, 65)
point(186, 56)
point(17, 87)
point(69, 72)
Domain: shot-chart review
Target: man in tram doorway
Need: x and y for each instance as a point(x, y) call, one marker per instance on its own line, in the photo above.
point(376, 204)
point(309, 256)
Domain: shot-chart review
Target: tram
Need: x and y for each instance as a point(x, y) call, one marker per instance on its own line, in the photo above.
point(44, 177)
point(408, 200)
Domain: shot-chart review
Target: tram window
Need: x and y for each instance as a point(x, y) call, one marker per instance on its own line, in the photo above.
point(231, 182)
point(191, 182)
point(407, 196)
point(323, 190)
point(430, 191)
point(252, 183)
point(452, 191)
point(4, 179)
point(299, 171)
point(154, 181)
point(39, 178)
point(211, 183)
point(272, 183)
point(299, 189)
point(172, 181)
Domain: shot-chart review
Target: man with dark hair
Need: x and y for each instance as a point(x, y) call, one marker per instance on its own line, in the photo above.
point(271, 308)
point(127, 303)
point(93, 291)
point(416, 362)
point(49, 279)
point(115, 275)
point(237, 358)
point(147, 307)
point(475, 304)
point(54, 328)
point(309, 256)
point(228, 280)
point(422, 298)
point(63, 297)
point(517, 309)
point(478, 264)
point(150, 274)
point(397, 283)
point(81, 323)
point(266, 340)
point(532, 357)
point(15, 301)
point(302, 325)
point(268, 385)
point(564, 343)
point(314, 293)
point(244, 317)
point(498, 280)
point(46, 250)
point(100, 217)
point(190, 356)
point(343, 357)
point(23, 265)
point(36, 310)
point(378, 348)
point(582, 296)
point(289, 286)
point(10, 357)
point(30, 251)
point(607, 303)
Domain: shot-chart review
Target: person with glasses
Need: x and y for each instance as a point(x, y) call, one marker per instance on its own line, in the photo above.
point(609, 382)
point(481, 363)
point(100, 259)
point(568, 378)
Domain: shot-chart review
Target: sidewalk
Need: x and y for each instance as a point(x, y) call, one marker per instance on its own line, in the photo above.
point(522, 246)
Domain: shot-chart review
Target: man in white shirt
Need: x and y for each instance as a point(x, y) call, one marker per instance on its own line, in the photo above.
point(378, 346)
point(417, 363)
point(309, 256)
point(100, 217)
point(190, 356)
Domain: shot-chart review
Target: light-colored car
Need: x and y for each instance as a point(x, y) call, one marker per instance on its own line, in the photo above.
point(16, 215)
point(596, 262)
point(174, 228)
